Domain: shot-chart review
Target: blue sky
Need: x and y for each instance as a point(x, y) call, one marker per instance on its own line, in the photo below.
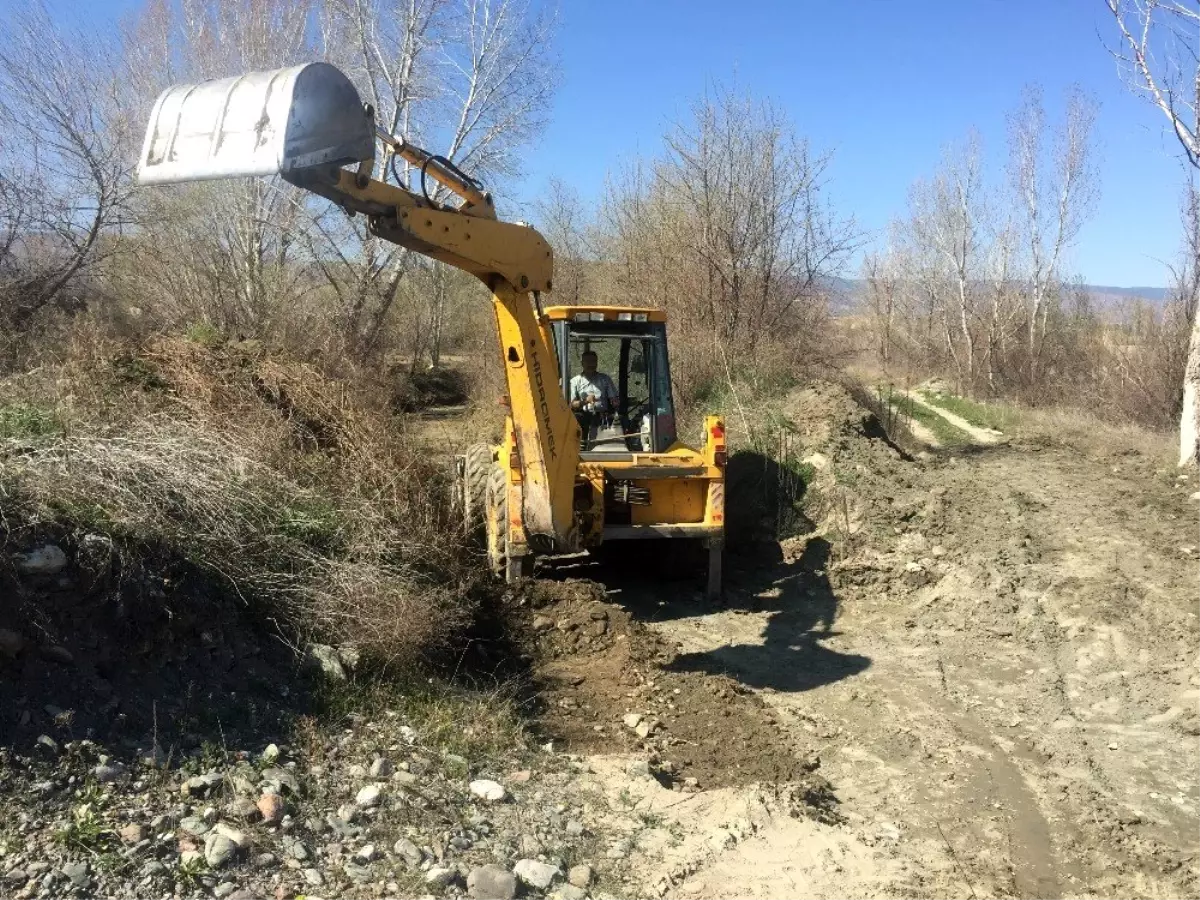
point(885, 84)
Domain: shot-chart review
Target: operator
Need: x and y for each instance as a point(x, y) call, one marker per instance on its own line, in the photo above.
point(593, 397)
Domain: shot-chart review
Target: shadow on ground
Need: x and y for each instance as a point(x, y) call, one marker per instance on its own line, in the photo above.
point(799, 602)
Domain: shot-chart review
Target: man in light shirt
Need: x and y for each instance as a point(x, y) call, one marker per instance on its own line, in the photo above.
point(593, 396)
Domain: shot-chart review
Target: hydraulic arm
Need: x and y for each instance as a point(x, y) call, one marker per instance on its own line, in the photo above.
point(306, 124)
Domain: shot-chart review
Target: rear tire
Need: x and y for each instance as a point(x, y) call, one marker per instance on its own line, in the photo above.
point(510, 568)
point(497, 521)
point(476, 471)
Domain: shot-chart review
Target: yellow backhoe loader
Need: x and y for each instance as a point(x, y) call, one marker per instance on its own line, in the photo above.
point(590, 453)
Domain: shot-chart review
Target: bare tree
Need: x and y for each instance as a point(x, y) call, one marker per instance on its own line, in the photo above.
point(730, 229)
point(64, 162)
point(947, 219)
point(563, 222)
point(1054, 188)
point(1160, 56)
point(470, 79)
point(221, 251)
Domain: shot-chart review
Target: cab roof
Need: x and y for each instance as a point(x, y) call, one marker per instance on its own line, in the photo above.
point(610, 313)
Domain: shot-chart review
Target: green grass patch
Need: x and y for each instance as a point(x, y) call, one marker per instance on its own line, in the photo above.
point(981, 415)
point(22, 421)
point(205, 334)
point(947, 434)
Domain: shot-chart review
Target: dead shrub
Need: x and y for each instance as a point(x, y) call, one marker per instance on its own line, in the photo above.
point(300, 491)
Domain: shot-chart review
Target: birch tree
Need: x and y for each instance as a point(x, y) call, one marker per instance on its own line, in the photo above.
point(1053, 190)
point(469, 79)
point(1159, 57)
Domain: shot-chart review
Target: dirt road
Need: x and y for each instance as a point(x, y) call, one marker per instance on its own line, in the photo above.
point(995, 655)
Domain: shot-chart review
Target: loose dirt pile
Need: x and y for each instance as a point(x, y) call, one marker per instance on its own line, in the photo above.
point(607, 686)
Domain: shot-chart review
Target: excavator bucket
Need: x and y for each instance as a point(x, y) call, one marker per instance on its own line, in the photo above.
point(262, 123)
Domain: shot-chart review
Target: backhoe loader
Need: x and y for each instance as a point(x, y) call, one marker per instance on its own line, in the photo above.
point(571, 472)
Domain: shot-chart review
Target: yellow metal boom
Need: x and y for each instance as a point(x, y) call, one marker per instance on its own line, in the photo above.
point(305, 124)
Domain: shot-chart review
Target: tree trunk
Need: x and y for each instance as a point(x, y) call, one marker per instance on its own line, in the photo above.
point(1189, 420)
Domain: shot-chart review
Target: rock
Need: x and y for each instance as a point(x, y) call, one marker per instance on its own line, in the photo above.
point(721, 839)
point(58, 654)
point(47, 744)
point(381, 767)
point(48, 559)
point(224, 889)
point(521, 777)
point(219, 851)
point(439, 877)
point(632, 720)
point(199, 785)
point(134, 833)
point(491, 882)
point(644, 729)
point(574, 828)
point(109, 772)
point(349, 656)
point(355, 872)
point(16, 876)
point(368, 797)
point(536, 874)
point(638, 768)
point(189, 858)
point(195, 826)
point(243, 809)
point(11, 643)
point(408, 851)
point(238, 837)
point(297, 849)
point(486, 789)
point(323, 658)
point(569, 892)
point(264, 861)
point(542, 623)
point(461, 843)
point(77, 873)
point(367, 854)
point(244, 894)
point(408, 733)
point(270, 807)
point(281, 779)
point(404, 779)
point(271, 754)
point(153, 867)
point(580, 876)
point(313, 877)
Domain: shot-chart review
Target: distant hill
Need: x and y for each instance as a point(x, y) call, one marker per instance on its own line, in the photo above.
point(846, 293)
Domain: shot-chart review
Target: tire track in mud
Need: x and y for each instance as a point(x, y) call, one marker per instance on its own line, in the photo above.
point(1001, 748)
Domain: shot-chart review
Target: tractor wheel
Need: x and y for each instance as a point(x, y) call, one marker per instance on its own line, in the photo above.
point(497, 521)
point(510, 568)
point(474, 486)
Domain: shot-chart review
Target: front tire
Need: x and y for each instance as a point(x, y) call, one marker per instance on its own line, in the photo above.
point(476, 470)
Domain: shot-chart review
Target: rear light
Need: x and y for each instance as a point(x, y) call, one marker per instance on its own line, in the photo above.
point(624, 317)
point(717, 432)
point(582, 317)
point(597, 317)
point(721, 458)
point(639, 317)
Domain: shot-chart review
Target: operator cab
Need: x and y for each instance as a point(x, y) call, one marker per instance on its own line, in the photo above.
point(630, 346)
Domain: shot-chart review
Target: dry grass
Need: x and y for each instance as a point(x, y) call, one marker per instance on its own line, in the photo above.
point(297, 490)
point(1083, 430)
